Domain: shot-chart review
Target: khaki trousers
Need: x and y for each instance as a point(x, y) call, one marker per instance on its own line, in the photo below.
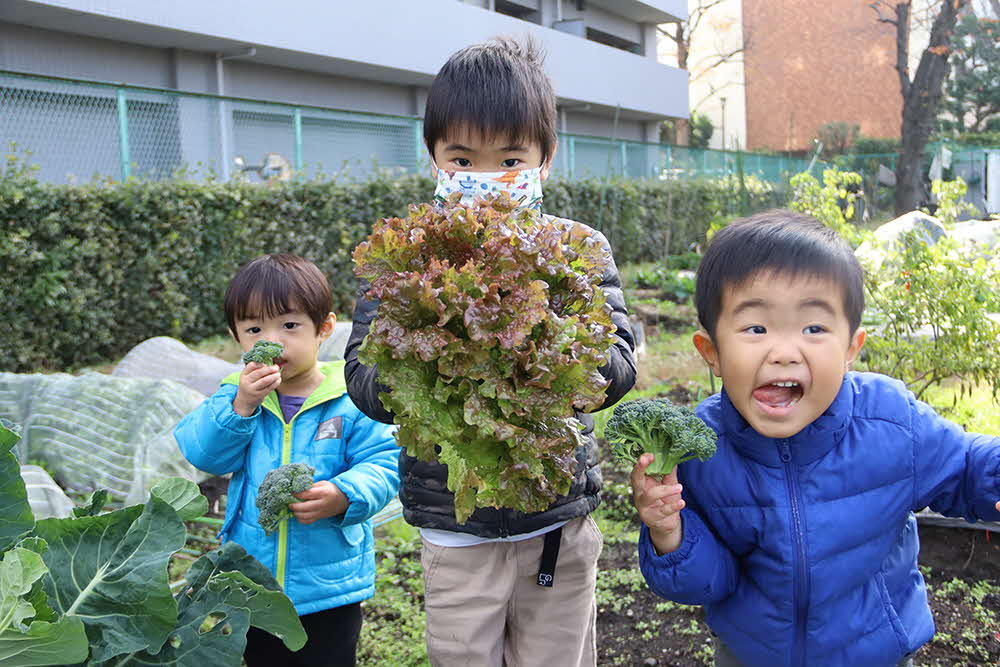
point(485, 608)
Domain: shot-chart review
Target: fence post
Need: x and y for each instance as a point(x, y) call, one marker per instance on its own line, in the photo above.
point(297, 125)
point(624, 154)
point(571, 142)
point(418, 142)
point(123, 154)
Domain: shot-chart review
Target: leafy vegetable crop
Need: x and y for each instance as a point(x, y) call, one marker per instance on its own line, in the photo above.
point(673, 433)
point(263, 352)
point(490, 332)
point(92, 589)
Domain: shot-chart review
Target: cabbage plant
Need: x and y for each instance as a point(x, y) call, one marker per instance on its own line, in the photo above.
point(92, 589)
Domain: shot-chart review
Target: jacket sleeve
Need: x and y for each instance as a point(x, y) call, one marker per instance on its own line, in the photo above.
point(701, 571)
point(372, 477)
point(620, 369)
point(362, 381)
point(213, 437)
point(956, 473)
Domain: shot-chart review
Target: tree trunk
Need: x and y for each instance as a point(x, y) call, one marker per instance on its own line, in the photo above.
point(682, 126)
point(921, 100)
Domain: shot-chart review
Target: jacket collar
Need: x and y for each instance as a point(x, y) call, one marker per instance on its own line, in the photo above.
point(806, 446)
point(333, 386)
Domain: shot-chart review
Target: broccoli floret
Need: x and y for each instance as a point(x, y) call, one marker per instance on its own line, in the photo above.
point(673, 433)
point(263, 352)
point(275, 493)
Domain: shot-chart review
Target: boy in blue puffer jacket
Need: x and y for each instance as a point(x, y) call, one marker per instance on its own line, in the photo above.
point(798, 536)
point(297, 411)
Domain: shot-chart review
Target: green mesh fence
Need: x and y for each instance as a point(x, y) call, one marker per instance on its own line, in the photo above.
point(77, 131)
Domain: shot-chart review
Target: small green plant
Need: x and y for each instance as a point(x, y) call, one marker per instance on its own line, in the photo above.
point(929, 316)
point(276, 492)
point(831, 202)
point(951, 204)
point(673, 433)
point(674, 285)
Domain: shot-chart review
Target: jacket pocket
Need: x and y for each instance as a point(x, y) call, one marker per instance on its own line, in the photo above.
point(234, 503)
point(890, 610)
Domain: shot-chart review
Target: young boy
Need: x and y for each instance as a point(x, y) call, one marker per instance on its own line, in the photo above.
point(297, 411)
point(490, 122)
point(799, 536)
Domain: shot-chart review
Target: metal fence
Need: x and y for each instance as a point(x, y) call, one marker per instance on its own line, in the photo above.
point(77, 131)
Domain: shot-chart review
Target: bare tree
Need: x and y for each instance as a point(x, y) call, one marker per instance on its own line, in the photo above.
point(681, 34)
point(922, 95)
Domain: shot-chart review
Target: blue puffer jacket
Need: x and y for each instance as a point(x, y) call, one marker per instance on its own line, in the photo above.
point(804, 551)
point(324, 564)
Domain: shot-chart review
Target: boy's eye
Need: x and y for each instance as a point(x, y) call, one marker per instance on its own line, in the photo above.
point(510, 163)
point(463, 162)
point(756, 329)
point(253, 331)
point(291, 325)
point(815, 329)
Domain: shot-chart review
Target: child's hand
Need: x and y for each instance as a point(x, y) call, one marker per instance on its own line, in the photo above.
point(659, 504)
point(256, 382)
point(321, 501)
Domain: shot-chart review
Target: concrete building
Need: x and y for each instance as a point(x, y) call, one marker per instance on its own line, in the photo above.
point(376, 57)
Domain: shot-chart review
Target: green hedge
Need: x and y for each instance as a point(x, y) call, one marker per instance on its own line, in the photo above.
point(92, 270)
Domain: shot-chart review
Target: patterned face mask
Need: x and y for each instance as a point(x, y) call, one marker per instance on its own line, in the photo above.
point(524, 186)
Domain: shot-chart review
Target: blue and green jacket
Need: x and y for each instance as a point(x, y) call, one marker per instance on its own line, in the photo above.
point(803, 550)
point(328, 563)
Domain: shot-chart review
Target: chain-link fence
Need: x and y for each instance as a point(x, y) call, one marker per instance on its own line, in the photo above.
point(77, 131)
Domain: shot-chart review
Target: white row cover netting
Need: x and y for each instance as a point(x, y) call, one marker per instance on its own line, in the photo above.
point(97, 431)
point(168, 358)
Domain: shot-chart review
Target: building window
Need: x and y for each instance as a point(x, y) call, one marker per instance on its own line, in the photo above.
point(602, 37)
point(524, 10)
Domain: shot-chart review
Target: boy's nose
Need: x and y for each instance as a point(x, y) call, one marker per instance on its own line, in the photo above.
point(784, 352)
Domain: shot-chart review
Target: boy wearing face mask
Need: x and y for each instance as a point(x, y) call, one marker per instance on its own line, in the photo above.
point(505, 587)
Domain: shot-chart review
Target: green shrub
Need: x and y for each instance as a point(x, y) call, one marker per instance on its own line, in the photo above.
point(92, 270)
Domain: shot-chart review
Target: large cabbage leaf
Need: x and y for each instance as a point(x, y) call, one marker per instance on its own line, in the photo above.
point(490, 333)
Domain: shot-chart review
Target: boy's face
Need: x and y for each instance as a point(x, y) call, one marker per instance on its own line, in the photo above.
point(781, 347)
point(296, 332)
point(467, 150)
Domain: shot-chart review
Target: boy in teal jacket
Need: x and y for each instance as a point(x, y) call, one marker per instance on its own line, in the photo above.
point(297, 411)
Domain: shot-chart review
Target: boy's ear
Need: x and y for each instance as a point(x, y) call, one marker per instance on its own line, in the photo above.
point(233, 334)
point(857, 342)
point(326, 329)
point(706, 348)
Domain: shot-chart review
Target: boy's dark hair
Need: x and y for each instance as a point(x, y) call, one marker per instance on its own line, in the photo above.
point(272, 285)
point(497, 88)
point(782, 242)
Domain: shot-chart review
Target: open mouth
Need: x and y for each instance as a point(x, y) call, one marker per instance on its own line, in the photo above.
point(779, 395)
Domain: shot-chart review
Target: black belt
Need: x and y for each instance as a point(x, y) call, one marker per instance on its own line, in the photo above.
point(550, 552)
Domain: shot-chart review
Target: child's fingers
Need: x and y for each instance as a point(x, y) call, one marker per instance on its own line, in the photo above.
point(654, 494)
point(639, 471)
point(308, 494)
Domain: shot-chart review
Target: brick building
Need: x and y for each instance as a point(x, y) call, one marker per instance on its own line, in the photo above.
point(807, 63)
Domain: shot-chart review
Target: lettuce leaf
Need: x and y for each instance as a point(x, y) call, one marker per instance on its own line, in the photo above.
point(490, 333)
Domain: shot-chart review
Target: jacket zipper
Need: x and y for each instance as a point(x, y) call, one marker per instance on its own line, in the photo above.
point(801, 571)
point(282, 552)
